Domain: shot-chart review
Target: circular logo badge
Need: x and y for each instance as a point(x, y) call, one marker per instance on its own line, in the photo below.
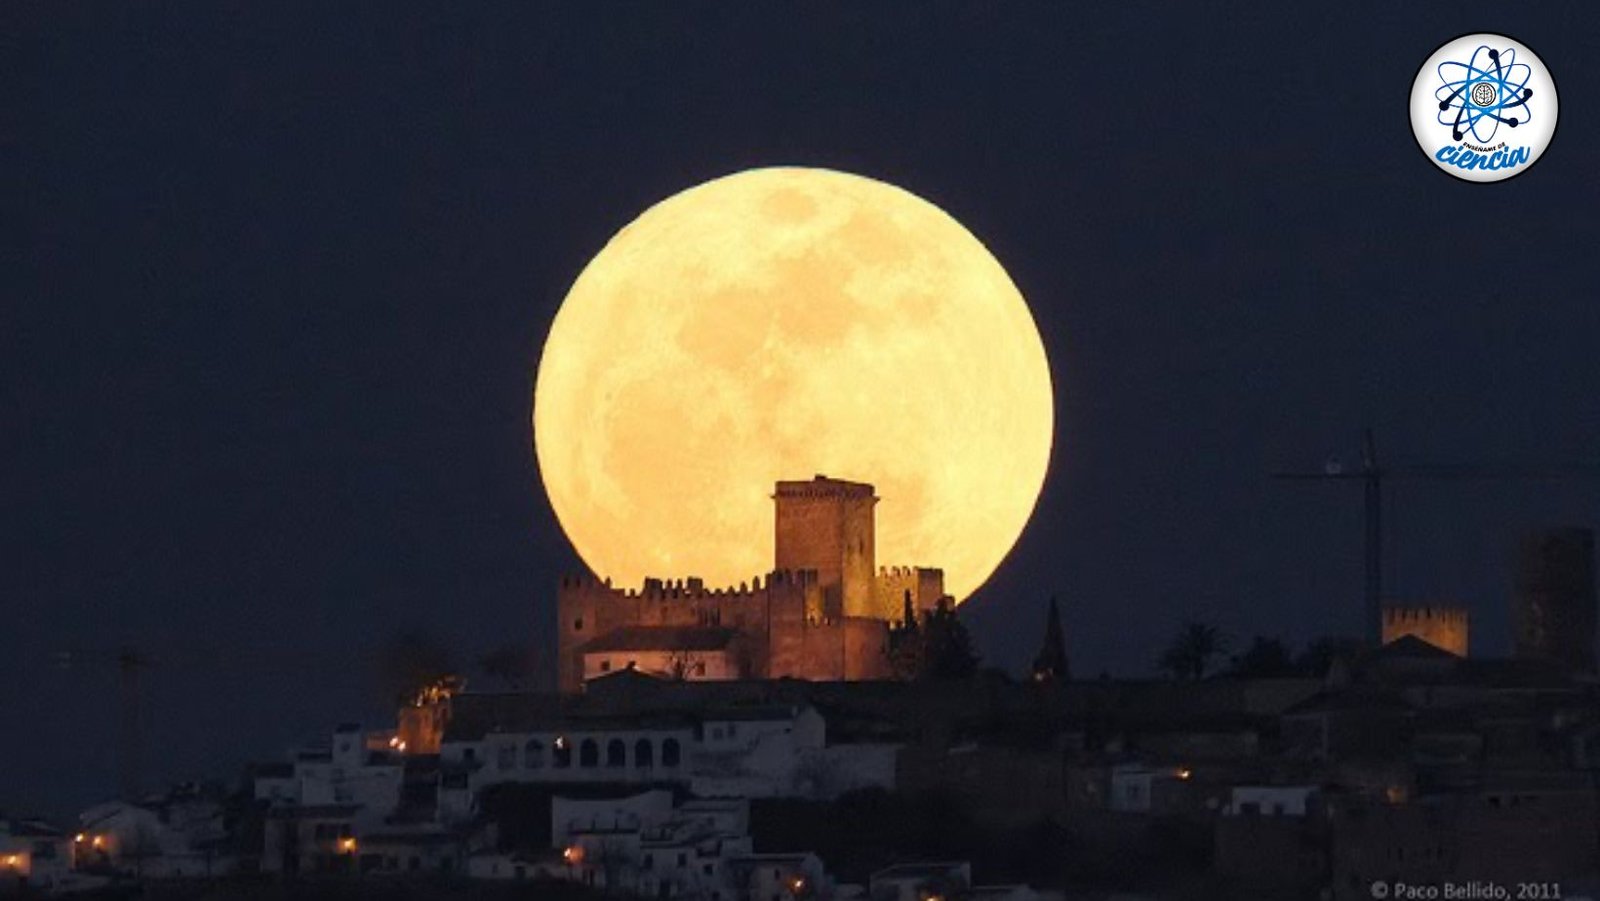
point(1483, 107)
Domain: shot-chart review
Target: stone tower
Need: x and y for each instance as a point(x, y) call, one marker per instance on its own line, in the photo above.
point(827, 525)
point(1443, 627)
point(1554, 608)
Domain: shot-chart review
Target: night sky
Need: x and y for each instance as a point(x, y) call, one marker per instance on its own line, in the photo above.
point(277, 283)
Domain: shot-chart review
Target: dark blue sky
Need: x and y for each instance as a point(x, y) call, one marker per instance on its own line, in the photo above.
point(278, 278)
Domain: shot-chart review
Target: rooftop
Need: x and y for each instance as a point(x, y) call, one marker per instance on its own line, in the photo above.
point(661, 638)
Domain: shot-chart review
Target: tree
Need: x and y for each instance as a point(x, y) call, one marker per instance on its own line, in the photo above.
point(939, 647)
point(1266, 658)
point(1320, 655)
point(1193, 650)
point(512, 666)
point(684, 664)
point(411, 663)
point(1051, 663)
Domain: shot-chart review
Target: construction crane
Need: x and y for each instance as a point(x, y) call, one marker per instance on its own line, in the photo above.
point(1372, 475)
point(130, 664)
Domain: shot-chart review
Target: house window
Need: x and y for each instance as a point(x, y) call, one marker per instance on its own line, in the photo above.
point(616, 753)
point(706, 869)
point(562, 755)
point(649, 860)
point(577, 624)
point(644, 754)
point(605, 666)
point(533, 754)
point(470, 755)
point(506, 757)
point(589, 753)
point(716, 732)
point(669, 752)
point(683, 860)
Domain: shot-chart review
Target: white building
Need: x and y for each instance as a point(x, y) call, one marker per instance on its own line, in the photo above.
point(646, 845)
point(920, 881)
point(742, 752)
point(763, 877)
point(325, 803)
point(1270, 800)
point(347, 771)
point(34, 855)
point(182, 834)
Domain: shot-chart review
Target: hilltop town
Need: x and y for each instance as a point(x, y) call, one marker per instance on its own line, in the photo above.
point(823, 733)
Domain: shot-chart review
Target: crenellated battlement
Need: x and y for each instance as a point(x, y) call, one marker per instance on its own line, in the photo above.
point(1442, 625)
point(1400, 615)
point(690, 588)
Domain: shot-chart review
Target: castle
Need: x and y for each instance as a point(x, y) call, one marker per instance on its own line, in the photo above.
point(823, 613)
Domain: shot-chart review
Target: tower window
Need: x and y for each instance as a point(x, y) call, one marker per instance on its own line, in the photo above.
point(577, 624)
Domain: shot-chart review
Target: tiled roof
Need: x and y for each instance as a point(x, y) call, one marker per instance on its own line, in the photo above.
point(661, 638)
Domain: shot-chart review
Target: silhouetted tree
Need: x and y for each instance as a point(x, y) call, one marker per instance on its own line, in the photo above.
point(1193, 650)
point(1266, 658)
point(1051, 663)
point(938, 647)
point(411, 662)
point(684, 664)
point(1321, 653)
point(512, 666)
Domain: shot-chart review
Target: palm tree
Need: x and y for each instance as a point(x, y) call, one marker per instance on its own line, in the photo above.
point(1196, 646)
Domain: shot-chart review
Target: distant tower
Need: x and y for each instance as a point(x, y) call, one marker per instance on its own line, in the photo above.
point(1051, 664)
point(828, 525)
point(1443, 627)
point(1554, 610)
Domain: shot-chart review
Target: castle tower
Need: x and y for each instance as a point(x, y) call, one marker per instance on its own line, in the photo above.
point(1443, 627)
point(828, 525)
point(1553, 609)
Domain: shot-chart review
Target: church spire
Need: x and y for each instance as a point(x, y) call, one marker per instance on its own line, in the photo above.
point(1051, 664)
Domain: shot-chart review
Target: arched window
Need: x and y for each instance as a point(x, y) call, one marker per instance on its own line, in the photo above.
point(533, 754)
point(589, 753)
point(562, 756)
point(505, 757)
point(669, 752)
point(644, 754)
point(616, 753)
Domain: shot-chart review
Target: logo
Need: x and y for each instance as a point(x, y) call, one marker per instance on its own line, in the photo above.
point(1483, 107)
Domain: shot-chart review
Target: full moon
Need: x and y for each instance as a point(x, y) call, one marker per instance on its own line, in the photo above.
point(777, 324)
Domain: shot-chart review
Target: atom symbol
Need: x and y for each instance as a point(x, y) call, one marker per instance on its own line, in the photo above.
point(1477, 98)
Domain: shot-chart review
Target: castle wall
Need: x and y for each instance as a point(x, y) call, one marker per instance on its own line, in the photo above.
point(773, 617)
point(893, 583)
point(1442, 627)
point(866, 649)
